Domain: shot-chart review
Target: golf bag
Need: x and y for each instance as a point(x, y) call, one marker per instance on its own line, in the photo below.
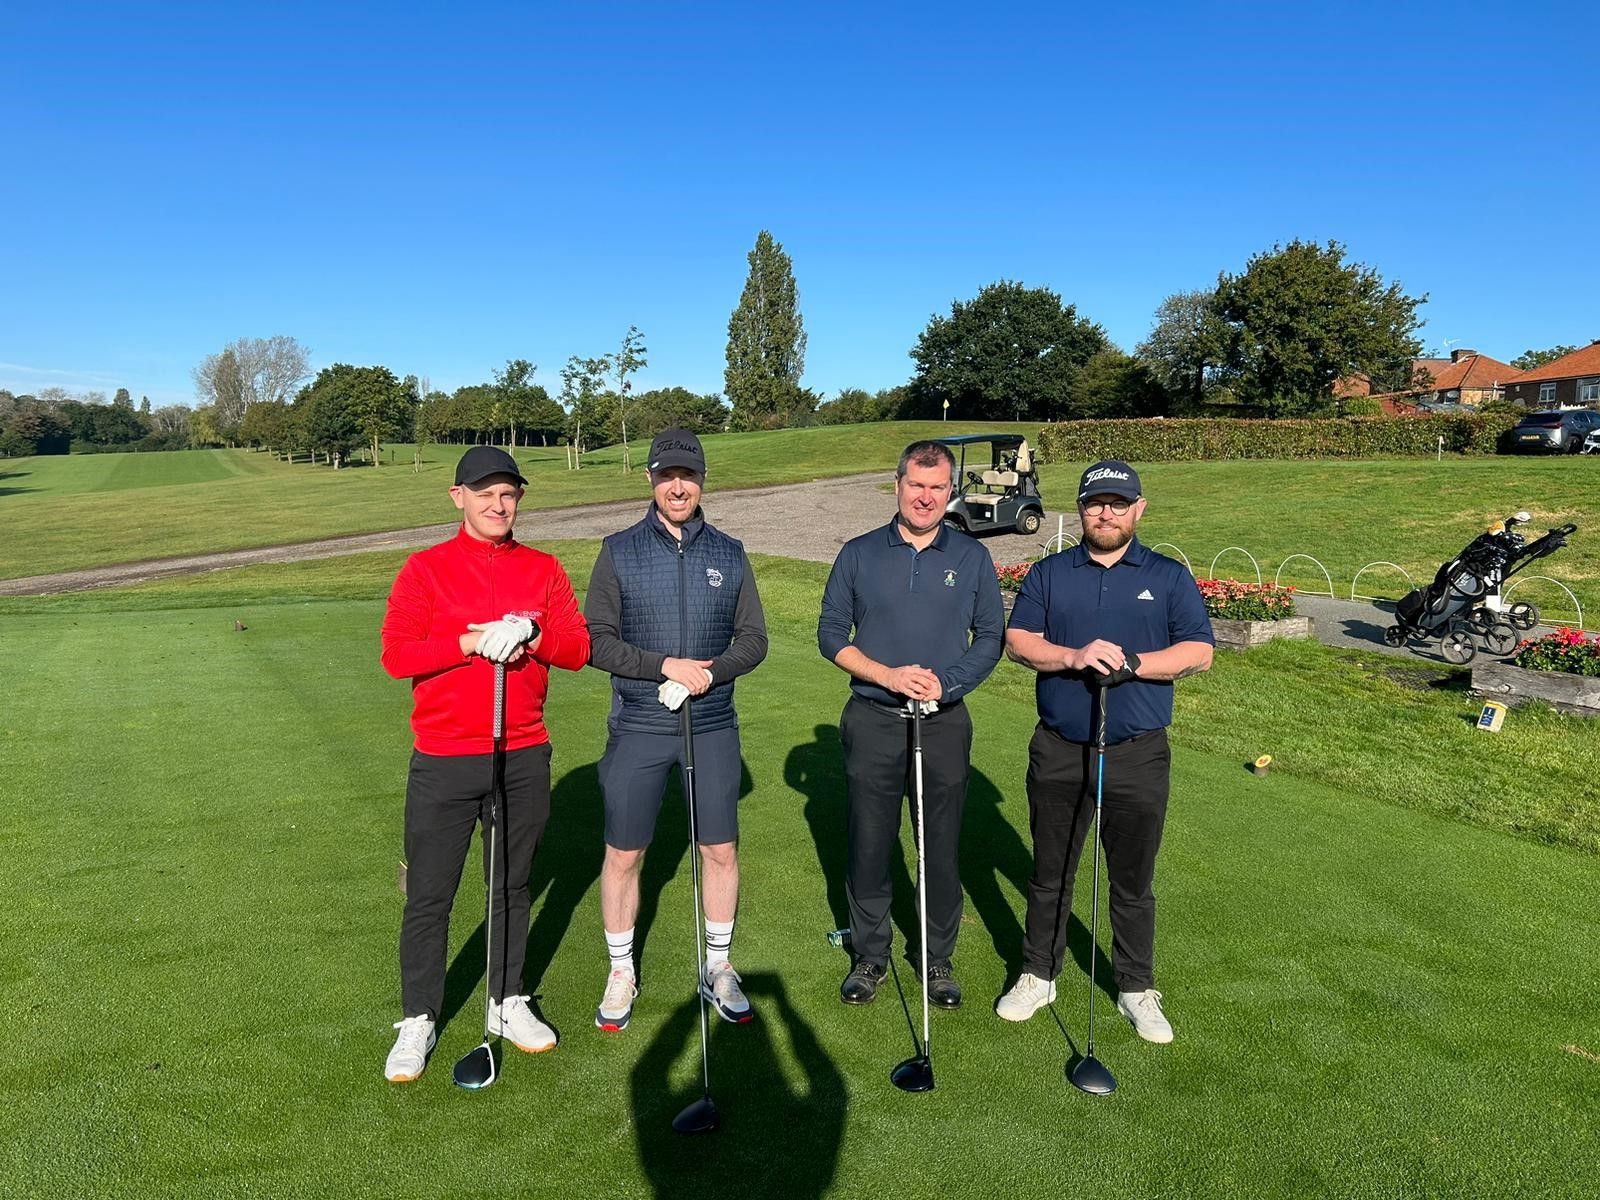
point(1462, 607)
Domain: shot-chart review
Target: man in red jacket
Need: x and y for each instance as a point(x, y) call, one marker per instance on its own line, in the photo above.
point(455, 610)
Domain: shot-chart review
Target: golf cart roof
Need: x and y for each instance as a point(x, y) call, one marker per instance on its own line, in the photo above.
point(998, 439)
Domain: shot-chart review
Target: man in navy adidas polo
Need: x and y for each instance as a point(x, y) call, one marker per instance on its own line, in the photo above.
point(1105, 603)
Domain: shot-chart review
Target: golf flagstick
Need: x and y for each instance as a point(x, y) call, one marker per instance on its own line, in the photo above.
point(1090, 1074)
point(477, 1068)
point(701, 1116)
point(916, 1073)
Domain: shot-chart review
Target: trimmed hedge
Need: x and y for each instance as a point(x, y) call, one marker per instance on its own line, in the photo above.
point(1212, 438)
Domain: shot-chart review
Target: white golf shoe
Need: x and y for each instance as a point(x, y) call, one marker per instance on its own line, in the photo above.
point(410, 1053)
point(1144, 1010)
point(513, 1020)
point(616, 1006)
point(1026, 997)
point(721, 987)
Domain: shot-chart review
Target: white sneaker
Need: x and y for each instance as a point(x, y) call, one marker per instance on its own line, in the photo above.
point(513, 1020)
point(721, 987)
point(1026, 997)
point(616, 1006)
point(410, 1053)
point(1144, 1010)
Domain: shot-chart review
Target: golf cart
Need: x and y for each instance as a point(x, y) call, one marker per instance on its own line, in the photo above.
point(1000, 490)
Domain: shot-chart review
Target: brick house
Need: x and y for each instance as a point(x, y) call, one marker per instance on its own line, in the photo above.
point(1468, 378)
point(1571, 379)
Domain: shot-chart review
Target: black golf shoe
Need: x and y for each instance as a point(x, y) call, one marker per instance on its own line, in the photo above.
point(943, 990)
point(861, 985)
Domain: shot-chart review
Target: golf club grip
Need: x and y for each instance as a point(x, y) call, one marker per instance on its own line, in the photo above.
point(499, 701)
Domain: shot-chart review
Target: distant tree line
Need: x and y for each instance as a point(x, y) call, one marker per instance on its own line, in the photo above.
point(56, 421)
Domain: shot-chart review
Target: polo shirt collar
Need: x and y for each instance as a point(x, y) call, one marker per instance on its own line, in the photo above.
point(1135, 555)
point(940, 539)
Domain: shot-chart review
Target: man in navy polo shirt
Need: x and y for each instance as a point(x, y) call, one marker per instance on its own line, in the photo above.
point(1105, 603)
point(925, 606)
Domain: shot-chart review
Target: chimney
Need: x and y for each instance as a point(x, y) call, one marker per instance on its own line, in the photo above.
point(1457, 355)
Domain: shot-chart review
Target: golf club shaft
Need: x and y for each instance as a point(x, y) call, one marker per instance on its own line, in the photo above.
point(922, 870)
point(1094, 895)
point(694, 874)
point(496, 784)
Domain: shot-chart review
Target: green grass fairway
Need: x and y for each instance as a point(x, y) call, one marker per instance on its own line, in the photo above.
point(193, 502)
point(1380, 959)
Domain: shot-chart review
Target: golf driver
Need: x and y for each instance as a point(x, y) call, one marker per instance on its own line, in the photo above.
point(916, 1073)
point(476, 1069)
point(1090, 1074)
point(701, 1116)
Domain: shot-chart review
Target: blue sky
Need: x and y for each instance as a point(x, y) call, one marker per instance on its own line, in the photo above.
point(438, 189)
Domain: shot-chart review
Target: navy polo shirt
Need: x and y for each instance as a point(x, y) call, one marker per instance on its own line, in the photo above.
point(1145, 601)
point(939, 608)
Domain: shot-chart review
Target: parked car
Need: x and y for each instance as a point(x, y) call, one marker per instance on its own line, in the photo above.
point(1557, 431)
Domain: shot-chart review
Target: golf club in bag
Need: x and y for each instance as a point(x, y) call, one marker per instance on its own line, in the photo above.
point(916, 1073)
point(1089, 1074)
point(477, 1068)
point(701, 1116)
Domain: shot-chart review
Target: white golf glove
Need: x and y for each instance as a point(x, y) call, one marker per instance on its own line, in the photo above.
point(672, 694)
point(500, 639)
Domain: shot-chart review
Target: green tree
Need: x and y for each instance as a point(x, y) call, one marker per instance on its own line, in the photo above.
point(245, 371)
point(767, 344)
point(1114, 384)
point(348, 405)
point(1186, 346)
point(1008, 354)
point(516, 396)
point(122, 399)
point(582, 395)
point(678, 408)
point(1529, 359)
point(1298, 317)
point(629, 359)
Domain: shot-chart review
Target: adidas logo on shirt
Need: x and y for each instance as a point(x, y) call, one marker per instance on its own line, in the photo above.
point(1144, 595)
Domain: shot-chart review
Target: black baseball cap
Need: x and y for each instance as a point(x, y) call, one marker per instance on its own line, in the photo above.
point(677, 448)
point(481, 462)
point(1109, 477)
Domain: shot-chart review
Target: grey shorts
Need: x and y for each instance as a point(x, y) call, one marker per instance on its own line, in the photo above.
point(633, 778)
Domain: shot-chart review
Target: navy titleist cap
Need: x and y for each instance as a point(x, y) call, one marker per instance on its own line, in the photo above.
point(481, 462)
point(677, 448)
point(1109, 477)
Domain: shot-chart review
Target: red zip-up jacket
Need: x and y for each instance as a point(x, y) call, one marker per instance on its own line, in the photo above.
point(438, 593)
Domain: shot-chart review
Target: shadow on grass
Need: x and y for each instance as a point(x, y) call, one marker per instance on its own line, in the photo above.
point(816, 770)
point(775, 1139)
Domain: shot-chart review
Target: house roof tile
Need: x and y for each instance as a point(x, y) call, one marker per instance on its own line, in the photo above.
point(1569, 366)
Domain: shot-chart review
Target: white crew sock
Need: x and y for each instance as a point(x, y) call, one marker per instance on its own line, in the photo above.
point(620, 946)
point(719, 940)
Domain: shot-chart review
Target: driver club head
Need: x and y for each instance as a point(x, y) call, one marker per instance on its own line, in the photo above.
point(475, 1069)
point(1090, 1075)
point(913, 1075)
point(700, 1117)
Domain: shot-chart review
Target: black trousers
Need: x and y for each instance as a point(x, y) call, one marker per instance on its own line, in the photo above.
point(877, 768)
point(1061, 788)
point(446, 796)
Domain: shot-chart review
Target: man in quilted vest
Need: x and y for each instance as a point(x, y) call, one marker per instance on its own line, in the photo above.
point(673, 613)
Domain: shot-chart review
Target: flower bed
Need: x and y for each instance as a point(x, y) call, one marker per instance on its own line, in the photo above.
point(1562, 669)
point(1235, 601)
point(1248, 614)
point(1011, 577)
point(1565, 650)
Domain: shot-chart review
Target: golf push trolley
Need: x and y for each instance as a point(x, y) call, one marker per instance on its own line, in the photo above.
point(1463, 606)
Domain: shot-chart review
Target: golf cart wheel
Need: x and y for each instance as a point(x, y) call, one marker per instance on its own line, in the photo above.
point(1457, 647)
point(1523, 616)
point(1394, 636)
point(1499, 639)
point(1029, 520)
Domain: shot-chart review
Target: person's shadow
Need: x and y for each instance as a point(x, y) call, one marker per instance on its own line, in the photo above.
point(565, 867)
point(815, 769)
point(774, 1140)
point(992, 853)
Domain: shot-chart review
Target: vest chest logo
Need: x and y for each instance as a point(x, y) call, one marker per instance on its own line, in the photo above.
point(949, 579)
point(713, 577)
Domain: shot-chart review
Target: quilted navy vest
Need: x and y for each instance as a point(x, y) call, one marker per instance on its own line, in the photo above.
point(678, 599)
